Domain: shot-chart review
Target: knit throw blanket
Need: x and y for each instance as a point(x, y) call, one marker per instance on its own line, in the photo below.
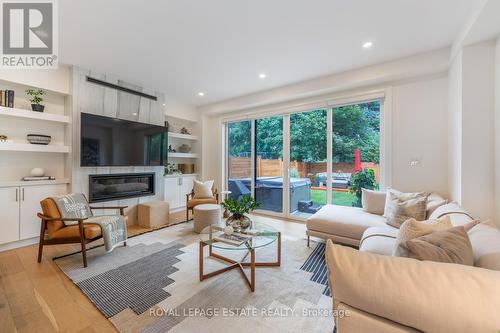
point(75, 206)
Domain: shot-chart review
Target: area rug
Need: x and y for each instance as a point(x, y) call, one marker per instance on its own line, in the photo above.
point(152, 285)
point(316, 264)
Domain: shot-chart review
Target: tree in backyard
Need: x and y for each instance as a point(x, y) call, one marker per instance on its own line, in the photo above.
point(354, 126)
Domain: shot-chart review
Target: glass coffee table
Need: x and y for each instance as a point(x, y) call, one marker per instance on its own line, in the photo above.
point(257, 236)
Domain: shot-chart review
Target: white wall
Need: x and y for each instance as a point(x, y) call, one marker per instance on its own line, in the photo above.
point(478, 174)
point(472, 135)
point(419, 131)
point(455, 129)
point(497, 130)
point(180, 110)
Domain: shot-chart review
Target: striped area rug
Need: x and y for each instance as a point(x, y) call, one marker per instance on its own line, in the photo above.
point(315, 264)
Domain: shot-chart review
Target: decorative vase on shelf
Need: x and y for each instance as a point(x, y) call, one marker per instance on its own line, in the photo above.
point(37, 172)
point(37, 107)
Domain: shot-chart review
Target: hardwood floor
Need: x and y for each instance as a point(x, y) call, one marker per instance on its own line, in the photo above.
point(40, 298)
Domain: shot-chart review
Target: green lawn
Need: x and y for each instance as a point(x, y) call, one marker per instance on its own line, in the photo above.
point(339, 198)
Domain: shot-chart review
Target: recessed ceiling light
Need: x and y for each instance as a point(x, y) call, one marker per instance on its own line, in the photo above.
point(201, 94)
point(134, 114)
point(262, 75)
point(164, 104)
point(367, 45)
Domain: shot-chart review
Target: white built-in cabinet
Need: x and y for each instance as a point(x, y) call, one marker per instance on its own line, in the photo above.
point(20, 204)
point(176, 188)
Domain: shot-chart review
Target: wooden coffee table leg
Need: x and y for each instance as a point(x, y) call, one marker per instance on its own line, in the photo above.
point(202, 245)
point(279, 248)
point(252, 269)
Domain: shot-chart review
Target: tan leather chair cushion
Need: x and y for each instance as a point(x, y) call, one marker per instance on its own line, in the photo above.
point(194, 202)
point(425, 295)
point(49, 209)
point(90, 230)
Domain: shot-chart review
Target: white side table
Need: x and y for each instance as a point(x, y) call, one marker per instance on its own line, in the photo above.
point(205, 215)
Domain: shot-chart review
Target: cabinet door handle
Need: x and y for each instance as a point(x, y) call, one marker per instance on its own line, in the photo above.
point(17, 194)
point(22, 191)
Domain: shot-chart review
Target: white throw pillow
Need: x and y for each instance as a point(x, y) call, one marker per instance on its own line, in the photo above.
point(203, 190)
point(412, 229)
point(373, 201)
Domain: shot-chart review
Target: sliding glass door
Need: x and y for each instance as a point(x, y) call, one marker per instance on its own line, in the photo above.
point(269, 184)
point(308, 162)
point(355, 151)
point(239, 159)
point(293, 164)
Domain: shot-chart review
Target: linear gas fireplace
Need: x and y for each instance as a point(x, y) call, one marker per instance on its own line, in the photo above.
point(120, 186)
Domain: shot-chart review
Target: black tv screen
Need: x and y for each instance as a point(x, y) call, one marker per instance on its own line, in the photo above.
point(109, 141)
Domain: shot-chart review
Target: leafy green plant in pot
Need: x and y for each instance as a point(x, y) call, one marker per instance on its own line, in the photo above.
point(238, 220)
point(362, 179)
point(36, 99)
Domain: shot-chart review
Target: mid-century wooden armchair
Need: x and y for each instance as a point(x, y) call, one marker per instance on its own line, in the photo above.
point(191, 202)
point(53, 230)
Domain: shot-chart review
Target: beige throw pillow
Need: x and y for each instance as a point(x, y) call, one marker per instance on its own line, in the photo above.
point(373, 201)
point(451, 246)
point(403, 206)
point(412, 228)
point(434, 201)
point(203, 190)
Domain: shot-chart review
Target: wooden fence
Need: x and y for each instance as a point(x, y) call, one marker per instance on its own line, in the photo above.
point(240, 167)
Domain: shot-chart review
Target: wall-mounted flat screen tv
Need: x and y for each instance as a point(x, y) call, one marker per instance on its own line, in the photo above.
point(109, 141)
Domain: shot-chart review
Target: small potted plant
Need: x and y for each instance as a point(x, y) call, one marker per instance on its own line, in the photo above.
point(36, 99)
point(238, 220)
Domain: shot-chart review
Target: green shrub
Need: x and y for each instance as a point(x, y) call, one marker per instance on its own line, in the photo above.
point(362, 179)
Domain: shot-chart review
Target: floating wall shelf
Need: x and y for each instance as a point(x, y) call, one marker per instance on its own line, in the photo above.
point(21, 113)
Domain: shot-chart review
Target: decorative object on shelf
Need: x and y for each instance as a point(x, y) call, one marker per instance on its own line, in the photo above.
point(184, 130)
point(39, 139)
point(30, 179)
point(37, 172)
point(186, 168)
point(170, 169)
point(238, 220)
point(7, 98)
point(3, 138)
point(184, 148)
point(228, 230)
point(170, 149)
point(36, 99)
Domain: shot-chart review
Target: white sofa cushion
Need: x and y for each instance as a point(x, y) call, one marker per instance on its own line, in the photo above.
point(348, 222)
point(379, 240)
point(485, 240)
point(458, 215)
point(373, 201)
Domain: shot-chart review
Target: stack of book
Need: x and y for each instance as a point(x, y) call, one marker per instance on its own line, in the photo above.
point(7, 98)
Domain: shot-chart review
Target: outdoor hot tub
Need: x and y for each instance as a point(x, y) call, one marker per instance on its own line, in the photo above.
point(269, 191)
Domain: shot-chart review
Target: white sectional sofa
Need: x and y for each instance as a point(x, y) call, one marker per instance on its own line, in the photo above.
point(384, 293)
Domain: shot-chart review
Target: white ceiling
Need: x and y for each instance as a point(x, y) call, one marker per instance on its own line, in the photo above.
point(220, 46)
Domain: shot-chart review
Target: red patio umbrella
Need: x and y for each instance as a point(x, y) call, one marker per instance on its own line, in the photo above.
point(357, 161)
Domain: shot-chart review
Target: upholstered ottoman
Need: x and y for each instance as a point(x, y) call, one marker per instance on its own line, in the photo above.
point(205, 215)
point(153, 214)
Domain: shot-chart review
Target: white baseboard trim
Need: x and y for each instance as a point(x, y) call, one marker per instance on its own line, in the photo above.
point(18, 244)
